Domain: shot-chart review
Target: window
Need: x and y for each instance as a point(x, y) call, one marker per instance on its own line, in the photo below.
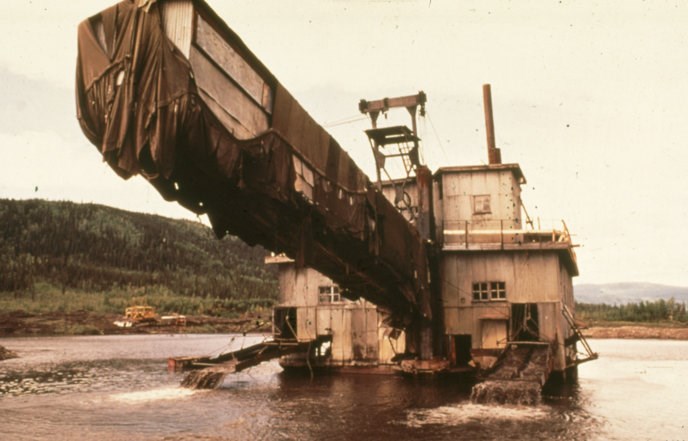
point(489, 291)
point(480, 292)
point(481, 204)
point(329, 294)
point(497, 291)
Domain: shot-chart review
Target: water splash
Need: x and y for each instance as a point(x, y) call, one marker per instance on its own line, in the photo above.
point(209, 378)
point(524, 393)
point(168, 393)
point(517, 378)
point(468, 413)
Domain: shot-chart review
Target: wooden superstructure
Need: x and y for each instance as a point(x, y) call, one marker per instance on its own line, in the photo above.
point(440, 266)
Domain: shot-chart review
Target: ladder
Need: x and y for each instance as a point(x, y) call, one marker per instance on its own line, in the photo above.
point(590, 355)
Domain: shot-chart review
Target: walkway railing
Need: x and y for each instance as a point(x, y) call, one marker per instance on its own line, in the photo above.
point(501, 232)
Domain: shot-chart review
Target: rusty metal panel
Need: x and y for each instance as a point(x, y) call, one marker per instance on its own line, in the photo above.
point(177, 19)
point(226, 94)
point(232, 63)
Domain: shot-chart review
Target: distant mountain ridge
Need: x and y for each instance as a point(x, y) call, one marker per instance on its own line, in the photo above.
point(628, 292)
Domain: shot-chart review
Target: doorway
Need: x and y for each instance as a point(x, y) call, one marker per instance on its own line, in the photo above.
point(525, 322)
point(462, 349)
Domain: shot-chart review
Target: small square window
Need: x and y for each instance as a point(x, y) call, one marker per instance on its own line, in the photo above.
point(329, 294)
point(481, 204)
point(480, 292)
point(497, 291)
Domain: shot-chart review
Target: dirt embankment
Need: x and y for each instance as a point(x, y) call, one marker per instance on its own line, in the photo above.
point(637, 331)
point(19, 324)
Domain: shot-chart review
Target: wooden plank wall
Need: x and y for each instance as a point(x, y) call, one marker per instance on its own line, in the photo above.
point(458, 190)
point(530, 277)
point(177, 19)
point(233, 90)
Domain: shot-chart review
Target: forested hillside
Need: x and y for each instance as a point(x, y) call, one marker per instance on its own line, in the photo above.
point(62, 247)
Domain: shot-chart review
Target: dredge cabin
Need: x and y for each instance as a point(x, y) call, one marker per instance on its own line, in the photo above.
point(503, 281)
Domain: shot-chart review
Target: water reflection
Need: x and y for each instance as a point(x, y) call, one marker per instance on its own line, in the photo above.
point(58, 392)
point(80, 377)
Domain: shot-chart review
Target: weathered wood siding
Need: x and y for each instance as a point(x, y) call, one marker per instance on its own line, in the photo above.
point(335, 321)
point(364, 333)
point(530, 277)
point(458, 190)
point(232, 64)
point(355, 327)
point(233, 90)
point(468, 319)
point(298, 287)
point(177, 18)
point(305, 324)
point(553, 327)
point(246, 118)
point(493, 333)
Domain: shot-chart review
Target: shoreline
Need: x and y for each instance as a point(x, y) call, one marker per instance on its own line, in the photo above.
point(636, 331)
point(23, 324)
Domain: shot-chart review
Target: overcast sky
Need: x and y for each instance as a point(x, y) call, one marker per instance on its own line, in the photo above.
point(591, 98)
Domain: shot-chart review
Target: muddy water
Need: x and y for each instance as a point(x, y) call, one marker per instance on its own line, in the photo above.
point(117, 388)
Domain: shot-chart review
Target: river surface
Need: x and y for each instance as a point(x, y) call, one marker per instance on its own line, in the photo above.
point(117, 388)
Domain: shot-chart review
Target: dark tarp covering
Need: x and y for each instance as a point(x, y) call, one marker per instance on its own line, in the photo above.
point(138, 103)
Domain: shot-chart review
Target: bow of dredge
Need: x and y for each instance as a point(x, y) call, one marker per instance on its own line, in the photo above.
point(418, 271)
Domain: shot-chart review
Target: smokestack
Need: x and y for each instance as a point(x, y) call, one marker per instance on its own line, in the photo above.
point(494, 155)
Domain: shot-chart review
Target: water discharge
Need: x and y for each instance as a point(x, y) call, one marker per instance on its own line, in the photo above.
point(167, 393)
point(118, 388)
point(467, 413)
